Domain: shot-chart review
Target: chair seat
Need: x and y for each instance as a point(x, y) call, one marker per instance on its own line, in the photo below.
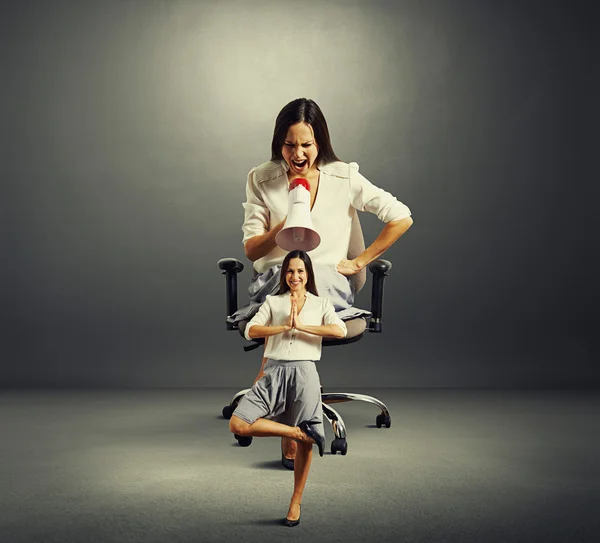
point(355, 328)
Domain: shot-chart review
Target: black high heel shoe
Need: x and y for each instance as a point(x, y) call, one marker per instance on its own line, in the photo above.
point(292, 523)
point(306, 427)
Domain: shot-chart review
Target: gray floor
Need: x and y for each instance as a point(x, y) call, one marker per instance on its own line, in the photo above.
point(160, 466)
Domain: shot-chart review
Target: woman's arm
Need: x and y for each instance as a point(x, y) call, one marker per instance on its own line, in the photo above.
point(325, 330)
point(365, 196)
point(258, 246)
point(265, 331)
point(259, 232)
point(391, 232)
point(258, 327)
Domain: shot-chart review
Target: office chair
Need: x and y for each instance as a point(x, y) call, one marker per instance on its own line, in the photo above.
point(356, 328)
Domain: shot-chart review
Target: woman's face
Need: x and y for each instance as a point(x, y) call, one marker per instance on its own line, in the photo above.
point(295, 275)
point(300, 149)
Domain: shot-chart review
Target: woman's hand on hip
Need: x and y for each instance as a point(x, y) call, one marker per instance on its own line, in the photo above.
point(347, 267)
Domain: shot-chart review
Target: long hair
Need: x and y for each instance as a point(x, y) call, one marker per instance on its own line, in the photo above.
point(303, 110)
point(310, 274)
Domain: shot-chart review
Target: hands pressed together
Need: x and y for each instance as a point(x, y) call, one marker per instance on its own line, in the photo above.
point(294, 319)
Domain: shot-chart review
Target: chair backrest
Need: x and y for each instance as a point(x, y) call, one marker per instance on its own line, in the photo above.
point(355, 248)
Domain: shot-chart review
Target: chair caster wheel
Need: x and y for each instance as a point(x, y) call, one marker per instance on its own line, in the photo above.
point(339, 444)
point(227, 412)
point(382, 420)
point(244, 441)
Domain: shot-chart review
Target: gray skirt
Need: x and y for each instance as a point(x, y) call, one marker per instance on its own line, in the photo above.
point(289, 393)
point(330, 284)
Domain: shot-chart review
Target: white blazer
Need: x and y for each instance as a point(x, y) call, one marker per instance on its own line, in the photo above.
point(342, 189)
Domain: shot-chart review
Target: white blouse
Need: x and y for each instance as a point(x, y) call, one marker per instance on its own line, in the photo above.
point(341, 188)
point(293, 344)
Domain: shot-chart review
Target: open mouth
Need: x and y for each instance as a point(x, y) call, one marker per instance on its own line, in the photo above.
point(299, 164)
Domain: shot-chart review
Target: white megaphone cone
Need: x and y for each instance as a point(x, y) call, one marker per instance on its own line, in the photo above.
point(298, 232)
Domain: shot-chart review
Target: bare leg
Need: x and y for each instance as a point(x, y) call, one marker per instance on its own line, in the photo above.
point(267, 428)
point(289, 448)
point(301, 468)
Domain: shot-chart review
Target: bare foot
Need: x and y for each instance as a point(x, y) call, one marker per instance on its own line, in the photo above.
point(289, 447)
point(293, 511)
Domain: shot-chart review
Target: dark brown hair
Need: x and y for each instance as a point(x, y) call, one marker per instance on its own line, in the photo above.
point(310, 274)
point(303, 110)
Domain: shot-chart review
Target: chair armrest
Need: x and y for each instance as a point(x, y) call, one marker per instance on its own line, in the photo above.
point(379, 268)
point(231, 267)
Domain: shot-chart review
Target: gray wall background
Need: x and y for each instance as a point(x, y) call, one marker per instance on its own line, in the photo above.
point(129, 128)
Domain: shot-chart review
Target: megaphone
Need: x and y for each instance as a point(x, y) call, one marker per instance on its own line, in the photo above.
point(298, 232)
